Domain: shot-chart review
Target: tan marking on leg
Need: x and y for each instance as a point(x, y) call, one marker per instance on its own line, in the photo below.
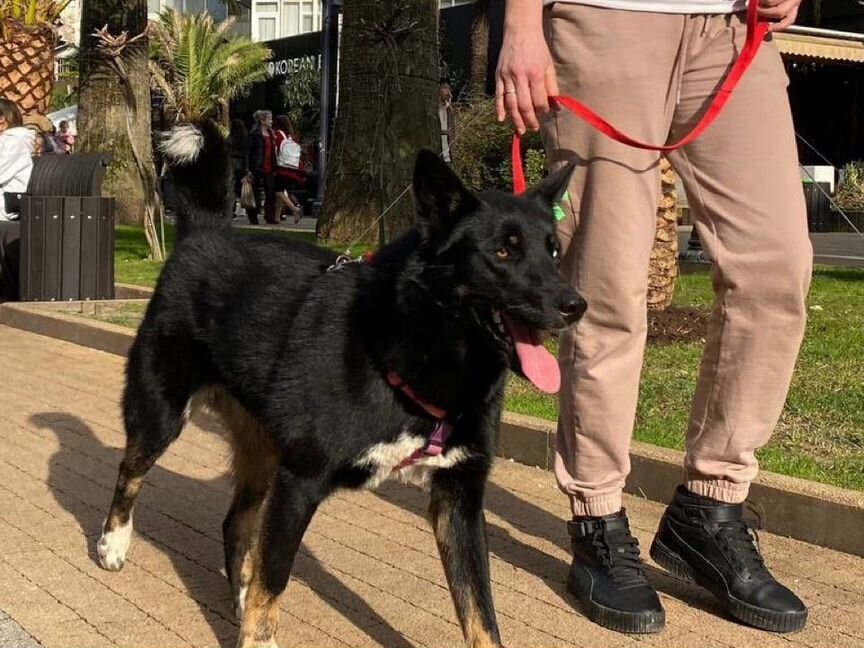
point(254, 454)
point(261, 616)
point(476, 635)
point(124, 501)
point(253, 464)
point(243, 563)
point(440, 521)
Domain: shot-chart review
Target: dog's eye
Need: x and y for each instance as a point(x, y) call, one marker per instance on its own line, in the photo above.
point(513, 240)
point(502, 253)
point(555, 253)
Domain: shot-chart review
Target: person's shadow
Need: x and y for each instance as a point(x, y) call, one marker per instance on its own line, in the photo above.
point(181, 517)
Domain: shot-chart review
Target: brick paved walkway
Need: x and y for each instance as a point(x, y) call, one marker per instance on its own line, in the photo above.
point(368, 574)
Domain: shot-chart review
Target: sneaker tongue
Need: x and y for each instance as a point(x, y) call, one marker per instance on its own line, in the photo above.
point(538, 365)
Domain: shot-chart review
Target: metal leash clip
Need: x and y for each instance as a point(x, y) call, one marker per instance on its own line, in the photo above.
point(342, 260)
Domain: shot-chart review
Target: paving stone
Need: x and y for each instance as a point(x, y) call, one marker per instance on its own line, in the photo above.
point(368, 573)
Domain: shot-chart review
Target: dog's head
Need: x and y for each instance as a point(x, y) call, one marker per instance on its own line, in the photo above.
point(501, 253)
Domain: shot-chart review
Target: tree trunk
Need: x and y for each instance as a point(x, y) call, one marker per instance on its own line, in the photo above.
point(102, 111)
point(387, 111)
point(664, 256)
point(27, 66)
point(479, 49)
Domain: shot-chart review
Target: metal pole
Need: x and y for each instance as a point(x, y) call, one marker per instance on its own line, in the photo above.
point(329, 37)
point(823, 33)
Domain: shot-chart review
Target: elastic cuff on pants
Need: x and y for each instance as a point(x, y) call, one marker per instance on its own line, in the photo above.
point(596, 506)
point(718, 489)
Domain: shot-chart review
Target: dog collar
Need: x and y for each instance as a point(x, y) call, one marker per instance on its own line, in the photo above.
point(435, 444)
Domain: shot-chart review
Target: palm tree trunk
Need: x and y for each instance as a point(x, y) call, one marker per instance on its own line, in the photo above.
point(479, 49)
point(663, 270)
point(387, 111)
point(102, 116)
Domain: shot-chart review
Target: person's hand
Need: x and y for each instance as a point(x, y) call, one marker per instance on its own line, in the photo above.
point(780, 13)
point(525, 78)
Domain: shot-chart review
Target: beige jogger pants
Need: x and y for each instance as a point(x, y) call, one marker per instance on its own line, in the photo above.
point(652, 75)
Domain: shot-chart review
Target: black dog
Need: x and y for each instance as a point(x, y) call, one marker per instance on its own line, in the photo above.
point(340, 375)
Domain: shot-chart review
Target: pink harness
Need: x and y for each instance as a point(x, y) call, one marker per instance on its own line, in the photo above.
point(435, 443)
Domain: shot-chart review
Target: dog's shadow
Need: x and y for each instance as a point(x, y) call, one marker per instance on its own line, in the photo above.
point(89, 506)
point(200, 571)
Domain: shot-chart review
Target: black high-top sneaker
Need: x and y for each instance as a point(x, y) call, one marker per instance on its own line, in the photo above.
point(711, 544)
point(608, 578)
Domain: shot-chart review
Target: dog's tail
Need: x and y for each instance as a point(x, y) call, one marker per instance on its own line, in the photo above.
point(198, 158)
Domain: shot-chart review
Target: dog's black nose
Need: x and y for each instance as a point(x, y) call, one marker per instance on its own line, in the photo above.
point(572, 308)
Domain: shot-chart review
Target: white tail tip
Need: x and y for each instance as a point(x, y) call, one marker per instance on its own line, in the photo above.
point(182, 144)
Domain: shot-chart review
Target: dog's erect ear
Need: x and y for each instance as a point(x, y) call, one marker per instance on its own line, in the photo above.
point(440, 195)
point(551, 189)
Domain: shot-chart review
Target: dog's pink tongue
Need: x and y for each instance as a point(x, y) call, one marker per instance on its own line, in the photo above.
point(538, 365)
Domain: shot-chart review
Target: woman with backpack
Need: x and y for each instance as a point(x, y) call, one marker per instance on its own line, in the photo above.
point(290, 173)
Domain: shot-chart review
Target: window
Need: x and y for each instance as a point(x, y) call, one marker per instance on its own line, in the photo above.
point(290, 19)
point(218, 9)
point(266, 29)
point(308, 16)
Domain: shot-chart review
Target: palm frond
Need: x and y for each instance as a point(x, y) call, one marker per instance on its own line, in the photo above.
point(198, 64)
point(33, 13)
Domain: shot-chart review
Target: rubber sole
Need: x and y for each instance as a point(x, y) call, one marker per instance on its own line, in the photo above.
point(757, 617)
point(617, 620)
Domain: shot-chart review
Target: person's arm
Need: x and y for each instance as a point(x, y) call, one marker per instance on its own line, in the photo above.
point(526, 75)
point(14, 160)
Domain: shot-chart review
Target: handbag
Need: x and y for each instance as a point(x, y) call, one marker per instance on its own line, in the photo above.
point(247, 194)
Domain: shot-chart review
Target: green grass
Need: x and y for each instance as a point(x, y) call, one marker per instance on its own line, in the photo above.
point(821, 433)
point(131, 262)
point(132, 265)
point(121, 314)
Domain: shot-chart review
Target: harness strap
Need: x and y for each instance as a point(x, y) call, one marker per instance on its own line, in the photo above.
point(396, 381)
point(756, 33)
point(435, 444)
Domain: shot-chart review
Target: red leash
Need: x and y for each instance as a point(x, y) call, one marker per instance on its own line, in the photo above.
point(756, 32)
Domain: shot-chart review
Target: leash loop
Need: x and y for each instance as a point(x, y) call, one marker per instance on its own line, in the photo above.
point(757, 30)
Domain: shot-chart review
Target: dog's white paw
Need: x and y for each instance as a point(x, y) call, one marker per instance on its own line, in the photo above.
point(240, 603)
point(113, 545)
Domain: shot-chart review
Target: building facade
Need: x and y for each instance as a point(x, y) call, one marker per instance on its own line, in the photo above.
point(272, 19)
point(70, 30)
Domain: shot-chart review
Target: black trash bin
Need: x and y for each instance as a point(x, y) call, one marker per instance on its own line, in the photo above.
point(67, 230)
point(820, 216)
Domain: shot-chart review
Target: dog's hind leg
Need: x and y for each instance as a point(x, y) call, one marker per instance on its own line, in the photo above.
point(253, 466)
point(291, 503)
point(456, 513)
point(155, 407)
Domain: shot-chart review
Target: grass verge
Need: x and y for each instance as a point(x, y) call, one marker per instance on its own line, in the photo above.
point(821, 433)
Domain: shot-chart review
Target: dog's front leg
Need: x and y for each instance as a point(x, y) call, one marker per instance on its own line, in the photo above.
point(456, 513)
point(289, 509)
